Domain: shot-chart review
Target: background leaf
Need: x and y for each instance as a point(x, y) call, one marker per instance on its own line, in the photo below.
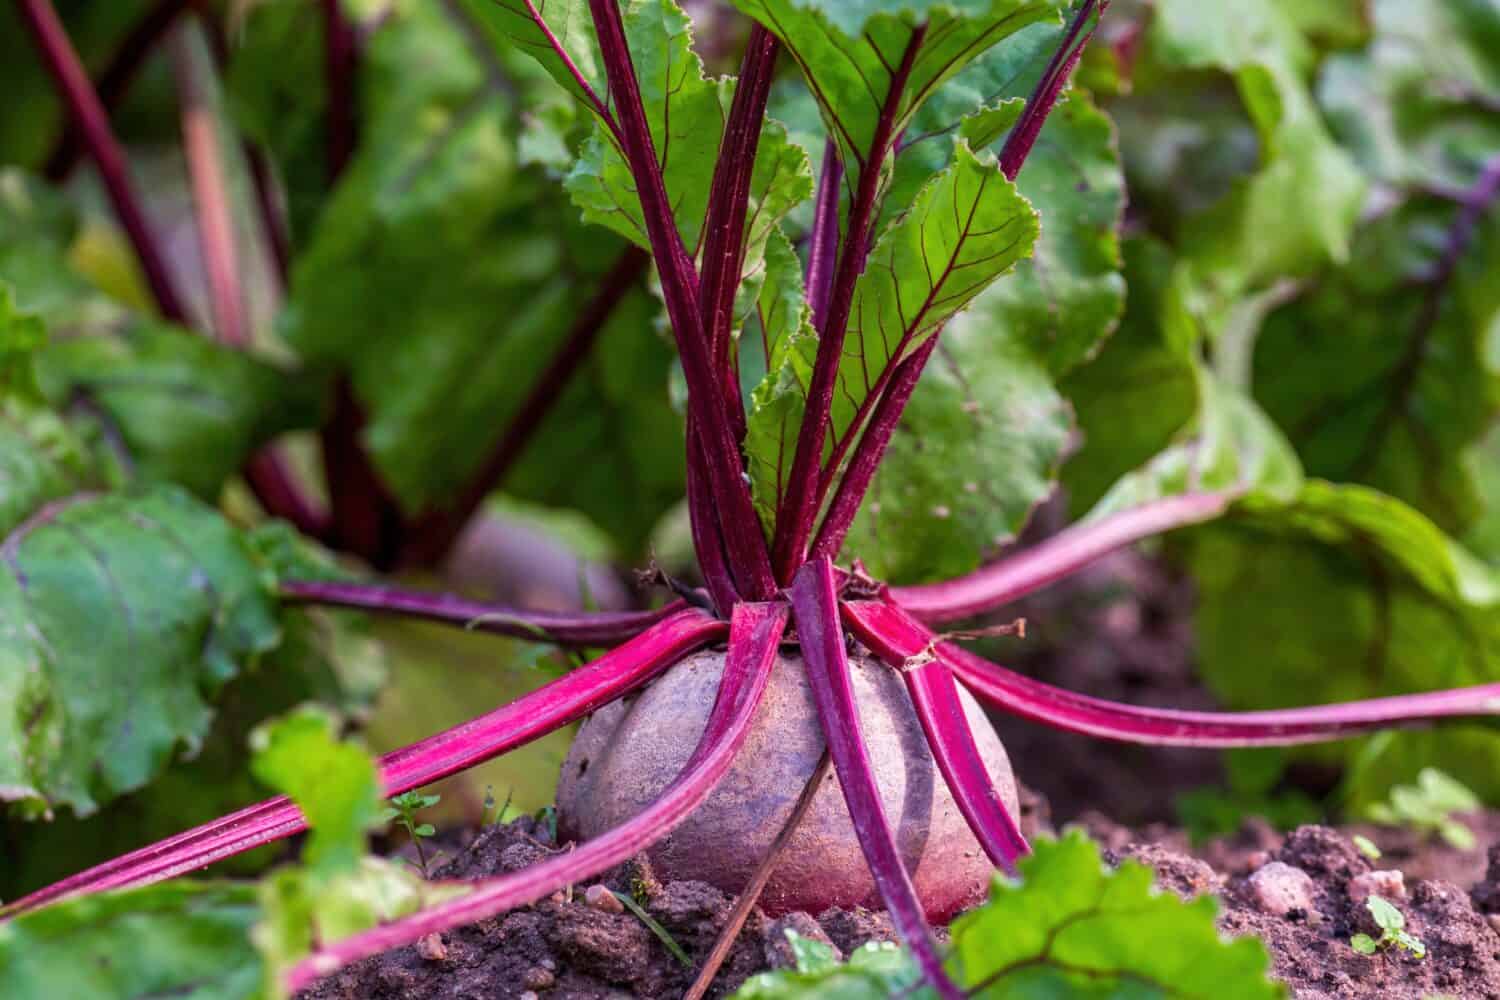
point(174, 939)
point(444, 273)
point(1383, 372)
point(172, 405)
point(122, 616)
point(1347, 593)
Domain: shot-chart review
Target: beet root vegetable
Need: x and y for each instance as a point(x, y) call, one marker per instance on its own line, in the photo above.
point(627, 753)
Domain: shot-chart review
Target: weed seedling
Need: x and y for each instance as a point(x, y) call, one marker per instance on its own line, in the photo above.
point(494, 812)
point(1393, 933)
point(403, 812)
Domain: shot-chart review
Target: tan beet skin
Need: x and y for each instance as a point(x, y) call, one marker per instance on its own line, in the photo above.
point(627, 753)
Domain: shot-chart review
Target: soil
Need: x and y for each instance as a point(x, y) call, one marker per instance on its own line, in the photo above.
point(1300, 892)
point(582, 945)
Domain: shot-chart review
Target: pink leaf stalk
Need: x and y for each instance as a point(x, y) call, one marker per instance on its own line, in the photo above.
point(708, 538)
point(114, 81)
point(583, 628)
point(816, 610)
point(92, 121)
point(755, 633)
point(749, 559)
point(935, 696)
point(728, 205)
point(270, 477)
point(1013, 577)
point(565, 700)
point(1039, 105)
point(599, 107)
point(893, 634)
point(823, 248)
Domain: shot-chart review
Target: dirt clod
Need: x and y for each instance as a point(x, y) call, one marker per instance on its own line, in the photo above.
point(1186, 876)
point(1281, 890)
point(601, 898)
point(432, 948)
point(1384, 882)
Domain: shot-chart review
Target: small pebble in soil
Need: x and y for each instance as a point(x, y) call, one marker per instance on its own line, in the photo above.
point(432, 948)
point(1282, 890)
point(1388, 883)
point(601, 898)
point(538, 978)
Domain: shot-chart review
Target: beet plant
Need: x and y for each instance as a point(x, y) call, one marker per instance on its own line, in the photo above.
point(868, 362)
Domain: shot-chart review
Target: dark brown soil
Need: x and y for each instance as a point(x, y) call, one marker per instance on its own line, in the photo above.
point(567, 948)
point(1301, 893)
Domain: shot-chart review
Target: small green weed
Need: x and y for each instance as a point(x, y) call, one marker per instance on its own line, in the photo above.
point(403, 811)
point(1393, 933)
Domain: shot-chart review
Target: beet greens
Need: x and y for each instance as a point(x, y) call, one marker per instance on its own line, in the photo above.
point(961, 232)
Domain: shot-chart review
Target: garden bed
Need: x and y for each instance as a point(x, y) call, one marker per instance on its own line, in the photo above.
point(1300, 892)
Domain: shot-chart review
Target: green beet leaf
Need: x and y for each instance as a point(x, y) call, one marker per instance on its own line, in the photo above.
point(686, 111)
point(980, 443)
point(222, 940)
point(172, 405)
point(336, 785)
point(851, 54)
point(177, 939)
point(1384, 372)
point(976, 450)
point(1297, 209)
point(324, 656)
point(184, 409)
point(1347, 593)
point(873, 972)
point(780, 333)
point(276, 93)
point(121, 617)
point(1417, 106)
point(446, 271)
point(1066, 298)
point(966, 228)
point(539, 29)
point(1142, 387)
point(337, 890)
point(1072, 927)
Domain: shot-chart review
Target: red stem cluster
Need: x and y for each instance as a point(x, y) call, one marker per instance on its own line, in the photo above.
point(795, 519)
